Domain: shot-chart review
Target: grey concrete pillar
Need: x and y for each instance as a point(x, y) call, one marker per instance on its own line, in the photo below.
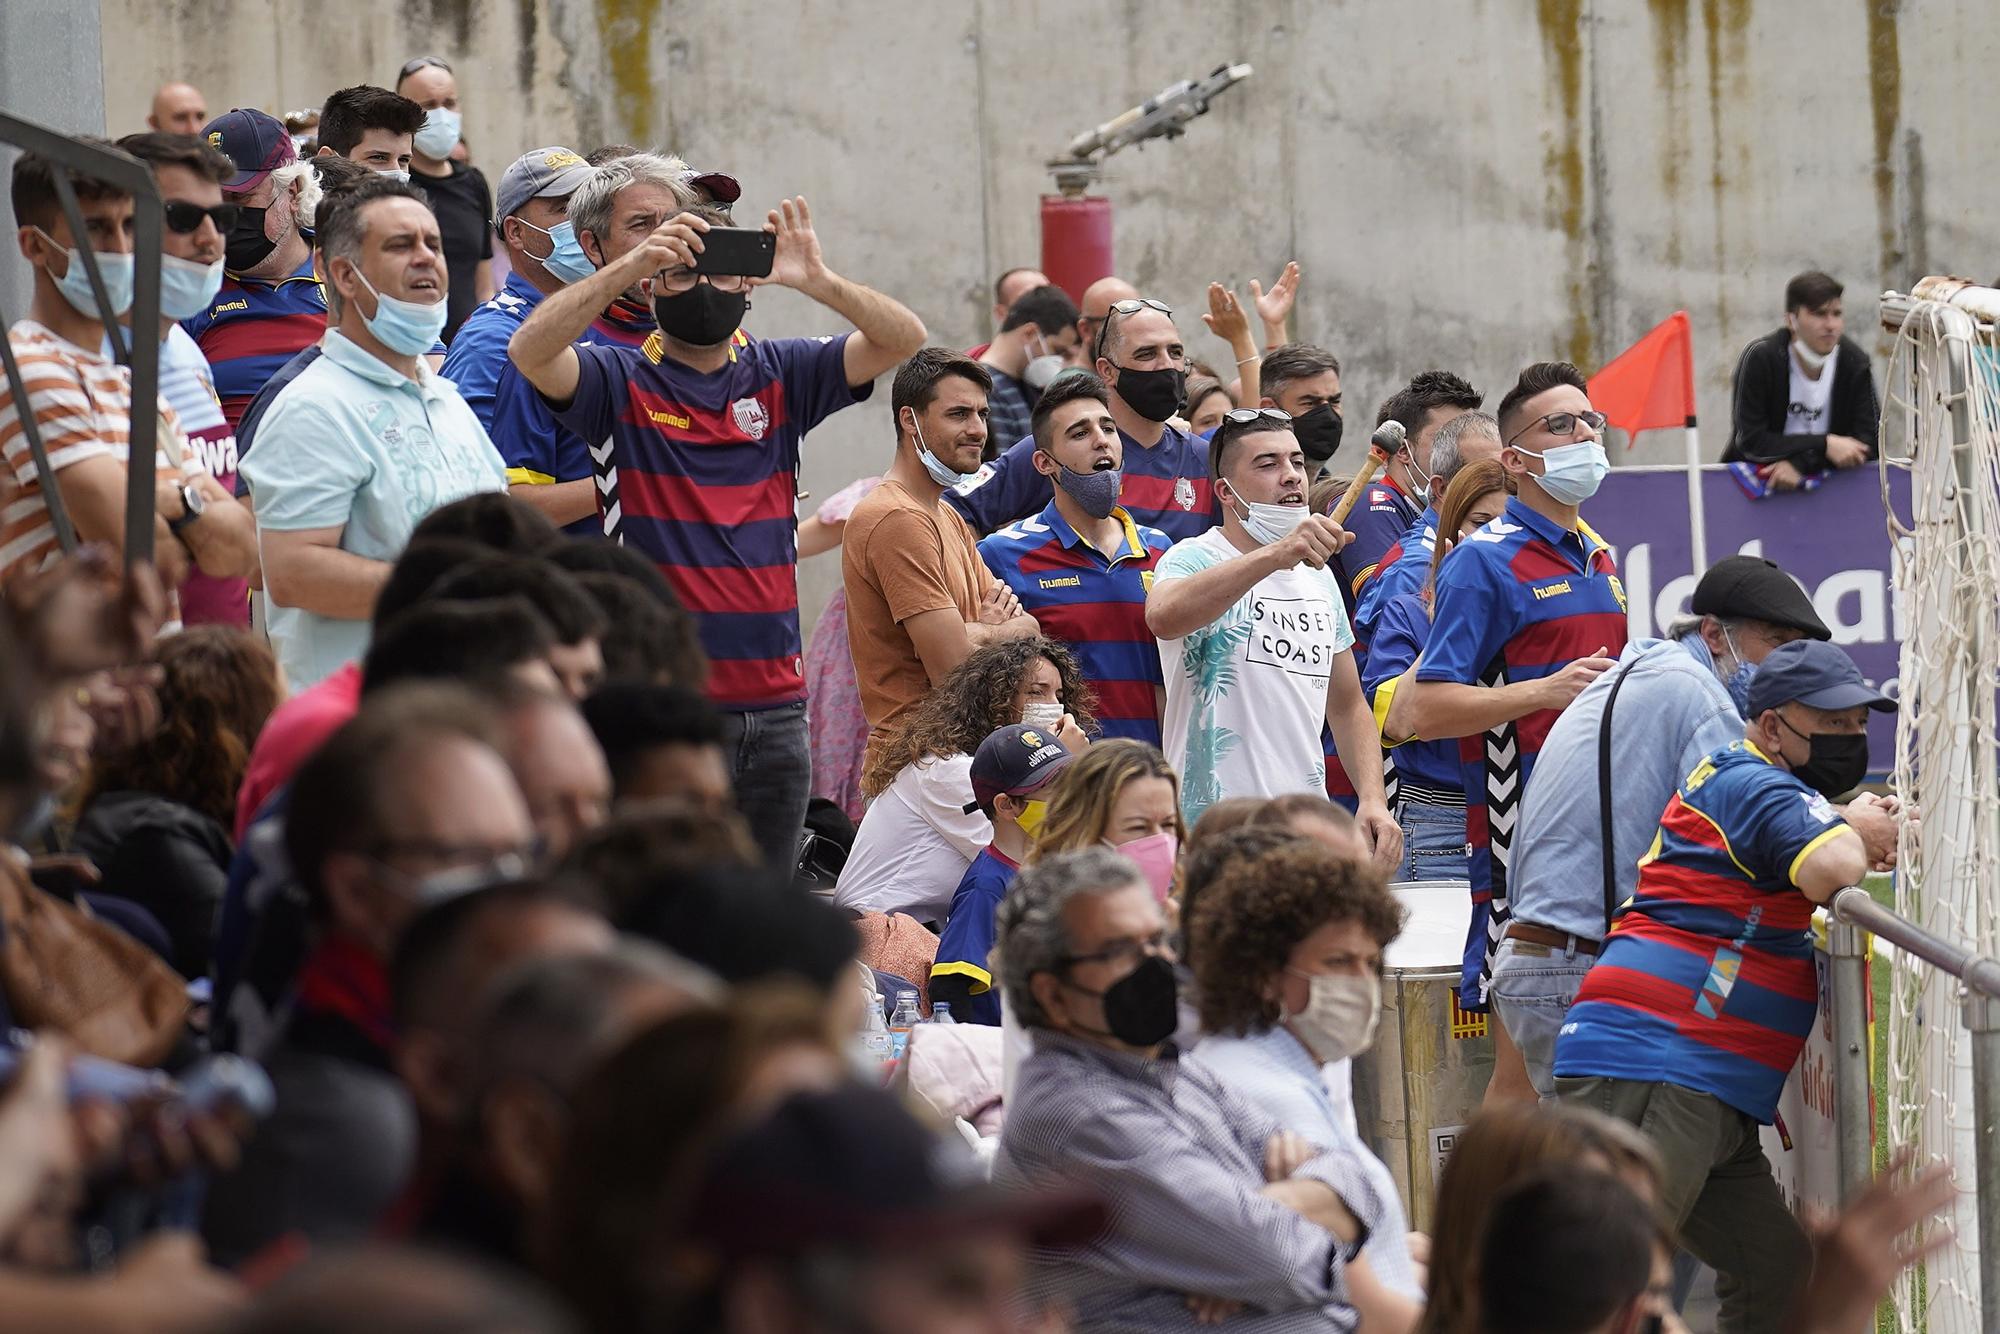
point(51, 72)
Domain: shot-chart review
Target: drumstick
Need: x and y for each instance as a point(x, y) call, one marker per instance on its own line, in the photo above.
point(1388, 438)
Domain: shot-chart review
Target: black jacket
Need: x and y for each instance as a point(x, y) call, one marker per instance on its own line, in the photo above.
point(168, 858)
point(1764, 400)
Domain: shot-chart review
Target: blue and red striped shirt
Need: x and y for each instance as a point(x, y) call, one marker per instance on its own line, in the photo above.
point(1094, 603)
point(1166, 487)
point(253, 328)
point(699, 472)
point(1707, 978)
point(1518, 600)
point(1401, 570)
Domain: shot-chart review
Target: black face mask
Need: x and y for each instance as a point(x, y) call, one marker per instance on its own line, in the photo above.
point(1154, 395)
point(246, 245)
point(1142, 1007)
point(700, 316)
point(1318, 431)
point(1837, 762)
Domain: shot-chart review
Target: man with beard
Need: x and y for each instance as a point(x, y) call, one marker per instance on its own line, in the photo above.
point(1138, 353)
point(1082, 567)
point(918, 598)
point(701, 437)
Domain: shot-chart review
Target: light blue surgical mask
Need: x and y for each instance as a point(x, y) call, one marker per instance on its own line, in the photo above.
point(187, 288)
point(114, 268)
point(439, 133)
point(566, 261)
point(396, 175)
point(1737, 683)
point(1571, 474)
point(405, 327)
point(935, 466)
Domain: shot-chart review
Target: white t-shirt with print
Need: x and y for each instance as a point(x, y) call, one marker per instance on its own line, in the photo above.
point(1807, 413)
point(1246, 694)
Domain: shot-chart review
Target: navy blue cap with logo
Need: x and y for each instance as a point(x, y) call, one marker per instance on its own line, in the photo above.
point(1815, 674)
point(1016, 759)
point(257, 142)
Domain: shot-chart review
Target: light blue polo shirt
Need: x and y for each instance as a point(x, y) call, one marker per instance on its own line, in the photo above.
point(356, 445)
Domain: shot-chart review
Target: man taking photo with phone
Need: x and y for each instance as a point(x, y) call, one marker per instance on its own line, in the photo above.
point(700, 459)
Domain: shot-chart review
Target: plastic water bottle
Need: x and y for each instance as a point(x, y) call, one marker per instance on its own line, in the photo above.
point(875, 1040)
point(904, 1018)
point(941, 1013)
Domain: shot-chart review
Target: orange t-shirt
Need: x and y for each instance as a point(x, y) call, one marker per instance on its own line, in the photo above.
point(901, 557)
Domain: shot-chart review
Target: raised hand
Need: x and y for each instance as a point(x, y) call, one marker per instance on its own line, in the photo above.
point(1275, 306)
point(1226, 318)
point(798, 263)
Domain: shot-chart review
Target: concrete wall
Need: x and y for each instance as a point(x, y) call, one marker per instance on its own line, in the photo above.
point(1466, 183)
point(49, 74)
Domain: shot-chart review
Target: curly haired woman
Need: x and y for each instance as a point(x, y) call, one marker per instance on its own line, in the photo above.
point(156, 814)
point(918, 836)
point(1287, 954)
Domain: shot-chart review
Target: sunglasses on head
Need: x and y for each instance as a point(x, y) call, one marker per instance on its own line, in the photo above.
point(1244, 416)
point(184, 217)
point(1129, 306)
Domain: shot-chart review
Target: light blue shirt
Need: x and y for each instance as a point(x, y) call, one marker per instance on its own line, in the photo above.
point(354, 444)
point(1671, 713)
point(1273, 1072)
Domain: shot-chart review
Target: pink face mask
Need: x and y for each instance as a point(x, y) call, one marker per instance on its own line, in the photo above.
point(1155, 855)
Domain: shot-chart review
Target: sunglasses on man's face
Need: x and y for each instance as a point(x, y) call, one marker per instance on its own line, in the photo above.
point(1563, 423)
point(185, 218)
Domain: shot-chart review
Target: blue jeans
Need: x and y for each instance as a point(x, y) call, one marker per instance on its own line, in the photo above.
point(1532, 989)
point(770, 757)
point(1434, 846)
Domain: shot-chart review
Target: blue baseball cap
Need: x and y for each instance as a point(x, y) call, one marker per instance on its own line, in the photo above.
point(1815, 674)
point(258, 143)
point(1016, 759)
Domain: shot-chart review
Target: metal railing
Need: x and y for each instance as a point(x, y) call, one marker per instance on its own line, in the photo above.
point(1854, 912)
point(138, 347)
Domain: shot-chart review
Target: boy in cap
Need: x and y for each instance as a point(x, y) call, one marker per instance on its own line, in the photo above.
point(1705, 992)
point(1011, 772)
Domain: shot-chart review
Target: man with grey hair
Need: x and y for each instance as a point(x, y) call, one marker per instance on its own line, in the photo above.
point(1466, 438)
point(696, 442)
point(533, 1036)
point(1214, 1207)
point(1583, 827)
point(368, 439)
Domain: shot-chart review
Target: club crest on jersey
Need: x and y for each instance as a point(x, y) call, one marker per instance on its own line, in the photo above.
point(1184, 493)
point(751, 417)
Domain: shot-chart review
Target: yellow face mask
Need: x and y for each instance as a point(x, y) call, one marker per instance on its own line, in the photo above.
point(1031, 817)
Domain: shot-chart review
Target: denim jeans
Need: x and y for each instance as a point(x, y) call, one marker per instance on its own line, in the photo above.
point(1434, 846)
point(770, 756)
point(1533, 986)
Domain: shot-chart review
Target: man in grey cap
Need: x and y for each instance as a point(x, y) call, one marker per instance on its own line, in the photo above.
point(1576, 853)
point(546, 466)
point(1706, 989)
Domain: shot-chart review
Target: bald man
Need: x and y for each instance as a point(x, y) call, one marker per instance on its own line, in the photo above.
point(178, 108)
point(1008, 288)
point(1098, 298)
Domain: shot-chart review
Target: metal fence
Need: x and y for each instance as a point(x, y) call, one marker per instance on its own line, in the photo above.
point(137, 346)
point(1856, 915)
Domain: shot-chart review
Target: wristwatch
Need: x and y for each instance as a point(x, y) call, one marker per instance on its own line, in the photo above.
point(191, 510)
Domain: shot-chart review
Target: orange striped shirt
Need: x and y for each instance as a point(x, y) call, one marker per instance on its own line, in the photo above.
point(82, 406)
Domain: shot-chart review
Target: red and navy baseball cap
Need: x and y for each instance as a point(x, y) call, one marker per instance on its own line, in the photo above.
point(256, 142)
point(852, 1166)
point(1817, 675)
point(721, 186)
point(1018, 759)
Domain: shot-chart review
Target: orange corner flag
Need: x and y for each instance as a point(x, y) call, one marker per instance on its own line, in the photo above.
point(1651, 383)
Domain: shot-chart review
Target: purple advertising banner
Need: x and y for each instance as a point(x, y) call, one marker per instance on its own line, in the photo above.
point(1834, 541)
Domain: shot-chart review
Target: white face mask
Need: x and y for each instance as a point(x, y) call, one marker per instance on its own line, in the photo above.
point(1044, 368)
point(1811, 360)
point(1042, 714)
point(1340, 1015)
point(1272, 523)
